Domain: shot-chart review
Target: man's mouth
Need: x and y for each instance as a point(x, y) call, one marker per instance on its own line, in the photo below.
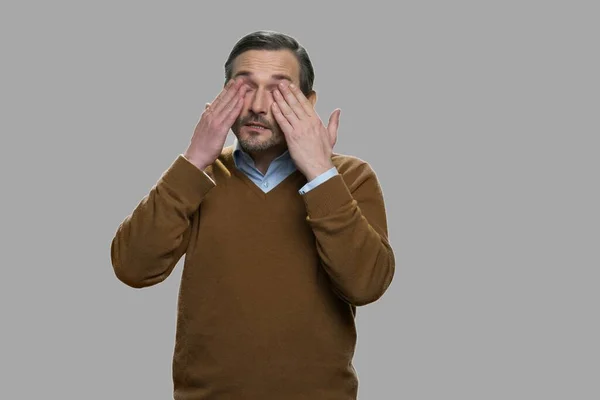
point(256, 125)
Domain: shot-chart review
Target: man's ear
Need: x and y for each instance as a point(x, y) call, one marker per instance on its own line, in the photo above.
point(312, 97)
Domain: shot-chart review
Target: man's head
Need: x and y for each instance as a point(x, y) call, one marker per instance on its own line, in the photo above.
point(265, 58)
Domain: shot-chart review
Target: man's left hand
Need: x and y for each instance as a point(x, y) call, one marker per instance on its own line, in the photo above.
point(309, 142)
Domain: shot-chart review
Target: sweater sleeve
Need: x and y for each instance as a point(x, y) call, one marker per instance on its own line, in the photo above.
point(150, 241)
point(350, 227)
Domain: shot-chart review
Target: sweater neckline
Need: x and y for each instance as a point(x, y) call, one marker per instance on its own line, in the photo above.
point(288, 180)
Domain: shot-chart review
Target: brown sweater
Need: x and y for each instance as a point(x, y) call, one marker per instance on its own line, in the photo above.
point(270, 282)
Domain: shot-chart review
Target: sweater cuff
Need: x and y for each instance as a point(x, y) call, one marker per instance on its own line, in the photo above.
point(327, 197)
point(187, 180)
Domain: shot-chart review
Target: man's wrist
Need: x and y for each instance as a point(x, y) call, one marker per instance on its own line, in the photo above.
point(313, 173)
point(196, 161)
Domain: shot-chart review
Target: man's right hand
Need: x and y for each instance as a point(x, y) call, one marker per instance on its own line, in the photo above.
point(216, 120)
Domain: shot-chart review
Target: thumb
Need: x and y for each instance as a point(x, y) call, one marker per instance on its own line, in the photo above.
point(333, 124)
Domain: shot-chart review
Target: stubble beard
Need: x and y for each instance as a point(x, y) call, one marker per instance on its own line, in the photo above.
point(254, 143)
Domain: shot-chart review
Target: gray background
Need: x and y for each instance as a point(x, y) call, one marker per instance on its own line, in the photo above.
point(480, 119)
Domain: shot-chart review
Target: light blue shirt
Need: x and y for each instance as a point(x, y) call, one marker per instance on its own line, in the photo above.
point(280, 168)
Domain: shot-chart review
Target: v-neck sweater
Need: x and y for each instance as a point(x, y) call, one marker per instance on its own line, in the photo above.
point(270, 282)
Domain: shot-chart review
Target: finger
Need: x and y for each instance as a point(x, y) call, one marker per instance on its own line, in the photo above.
point(306, 105)
point(231, 86)
point(283, 122)
point(223, 91)
point(229, 99)
point(235, 107)
point(206, 106)
point(234, 112)
point(239, 95)
point(292, 102)
point(284, 108)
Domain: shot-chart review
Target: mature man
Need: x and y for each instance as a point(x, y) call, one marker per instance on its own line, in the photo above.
point(283, 238)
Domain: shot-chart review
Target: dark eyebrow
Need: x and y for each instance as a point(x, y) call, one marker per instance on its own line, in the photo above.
point(274, 76)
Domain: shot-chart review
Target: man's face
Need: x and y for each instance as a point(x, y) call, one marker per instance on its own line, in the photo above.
point(262, 71)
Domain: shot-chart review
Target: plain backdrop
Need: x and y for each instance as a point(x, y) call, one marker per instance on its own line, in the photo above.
point(479, 118)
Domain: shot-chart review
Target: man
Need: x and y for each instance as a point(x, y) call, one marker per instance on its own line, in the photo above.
point(283, 238)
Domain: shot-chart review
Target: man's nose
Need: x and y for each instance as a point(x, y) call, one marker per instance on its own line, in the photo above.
point(261, 101)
